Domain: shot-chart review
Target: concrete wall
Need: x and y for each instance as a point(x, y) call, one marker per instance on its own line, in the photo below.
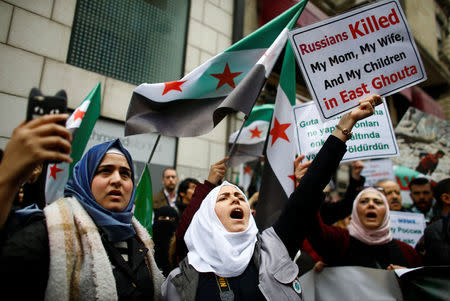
point(444, 102)
point(421, 16)
point(210, 32)
point(35, 38)
point(34, 41)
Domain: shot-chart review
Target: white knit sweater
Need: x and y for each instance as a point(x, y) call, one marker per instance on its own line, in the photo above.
point(79, 266)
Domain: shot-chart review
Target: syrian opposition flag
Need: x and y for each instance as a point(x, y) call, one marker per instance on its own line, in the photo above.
point(250, 143)
point(80, 124)
point(143, 210)
point(231, 81)
point(245, 175)
point(278, 180)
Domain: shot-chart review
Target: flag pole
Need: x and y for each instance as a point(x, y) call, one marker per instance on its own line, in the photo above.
point(153, 150)
point(151, 155)
point(230, 152)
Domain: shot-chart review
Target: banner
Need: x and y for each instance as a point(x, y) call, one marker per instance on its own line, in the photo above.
point(373, 137)
point(407, 227)
point(376, 170)
point(425, 283)
point(424, 143)
point(360, 283)
point(350, 283)
point(365, 51)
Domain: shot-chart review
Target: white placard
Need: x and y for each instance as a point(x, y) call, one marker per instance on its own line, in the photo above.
point(365, 51)
point(376, 170)
point(407, 227)
point(373, 137)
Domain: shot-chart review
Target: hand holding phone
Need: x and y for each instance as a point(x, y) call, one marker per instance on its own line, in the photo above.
point(39, 105)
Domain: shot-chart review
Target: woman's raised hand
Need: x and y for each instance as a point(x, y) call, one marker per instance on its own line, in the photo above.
point(31, 143)
point(300, 168)
point(365, 109)
point(34, 142)
point(217, 171)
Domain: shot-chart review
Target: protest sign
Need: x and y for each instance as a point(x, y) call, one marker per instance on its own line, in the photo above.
point(407, 227)
point(366, 51)
point(373, 137)
point(424, 144)
point(376, 170)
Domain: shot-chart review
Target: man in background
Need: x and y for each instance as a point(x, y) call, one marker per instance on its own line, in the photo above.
point(167, 196)
point(391, 190)
point(437, 234)
point(421, 194)
point(185, 191)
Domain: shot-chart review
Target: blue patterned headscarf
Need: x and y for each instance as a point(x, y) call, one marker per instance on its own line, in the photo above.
point(117, 225)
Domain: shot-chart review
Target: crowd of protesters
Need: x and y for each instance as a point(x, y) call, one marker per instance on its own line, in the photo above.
point(205, 243)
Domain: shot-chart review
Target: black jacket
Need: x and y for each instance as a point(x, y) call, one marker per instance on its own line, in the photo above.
point(25, 258)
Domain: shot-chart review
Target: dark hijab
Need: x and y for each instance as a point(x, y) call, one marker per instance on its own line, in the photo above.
point(117, 225)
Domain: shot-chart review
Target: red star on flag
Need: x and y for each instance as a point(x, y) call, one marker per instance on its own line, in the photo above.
point(176, 85)
point(278, 131)
point(247, 169)
point(256, 133)
point(227, 77)
point(78, 114)
point(53, 170)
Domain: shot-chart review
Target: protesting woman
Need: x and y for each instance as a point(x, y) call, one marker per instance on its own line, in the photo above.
point(87, 245)
point(229, 260)
point(367, 241)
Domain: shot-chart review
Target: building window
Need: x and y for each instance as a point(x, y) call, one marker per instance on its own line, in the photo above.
point(135, 41)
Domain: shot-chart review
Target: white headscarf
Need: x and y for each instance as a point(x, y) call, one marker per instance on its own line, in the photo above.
point(378, 236)
point(211, 247)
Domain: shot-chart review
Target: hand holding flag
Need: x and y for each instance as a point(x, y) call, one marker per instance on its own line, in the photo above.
point(217, 171)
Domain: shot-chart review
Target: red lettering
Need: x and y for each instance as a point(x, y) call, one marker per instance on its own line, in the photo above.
point(303, 48)
point(375, 23)
point(346, 96)
point(354, 30)
point(383, 80)
point(384, 22)
point(371, 24)
point(393, 18)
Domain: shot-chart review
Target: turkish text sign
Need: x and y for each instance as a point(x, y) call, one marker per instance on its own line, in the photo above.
point(407, 227)
point(366, 51)
point(373, 137)
point(376, 170)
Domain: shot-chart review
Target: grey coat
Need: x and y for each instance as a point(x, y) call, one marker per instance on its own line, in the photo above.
point(277, 273)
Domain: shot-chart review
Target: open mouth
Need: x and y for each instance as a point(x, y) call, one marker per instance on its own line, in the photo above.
point(371, 215)
point(115, 193)
point(237, 213)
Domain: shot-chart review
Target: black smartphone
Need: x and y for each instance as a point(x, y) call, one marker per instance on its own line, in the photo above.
point(39, 105)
